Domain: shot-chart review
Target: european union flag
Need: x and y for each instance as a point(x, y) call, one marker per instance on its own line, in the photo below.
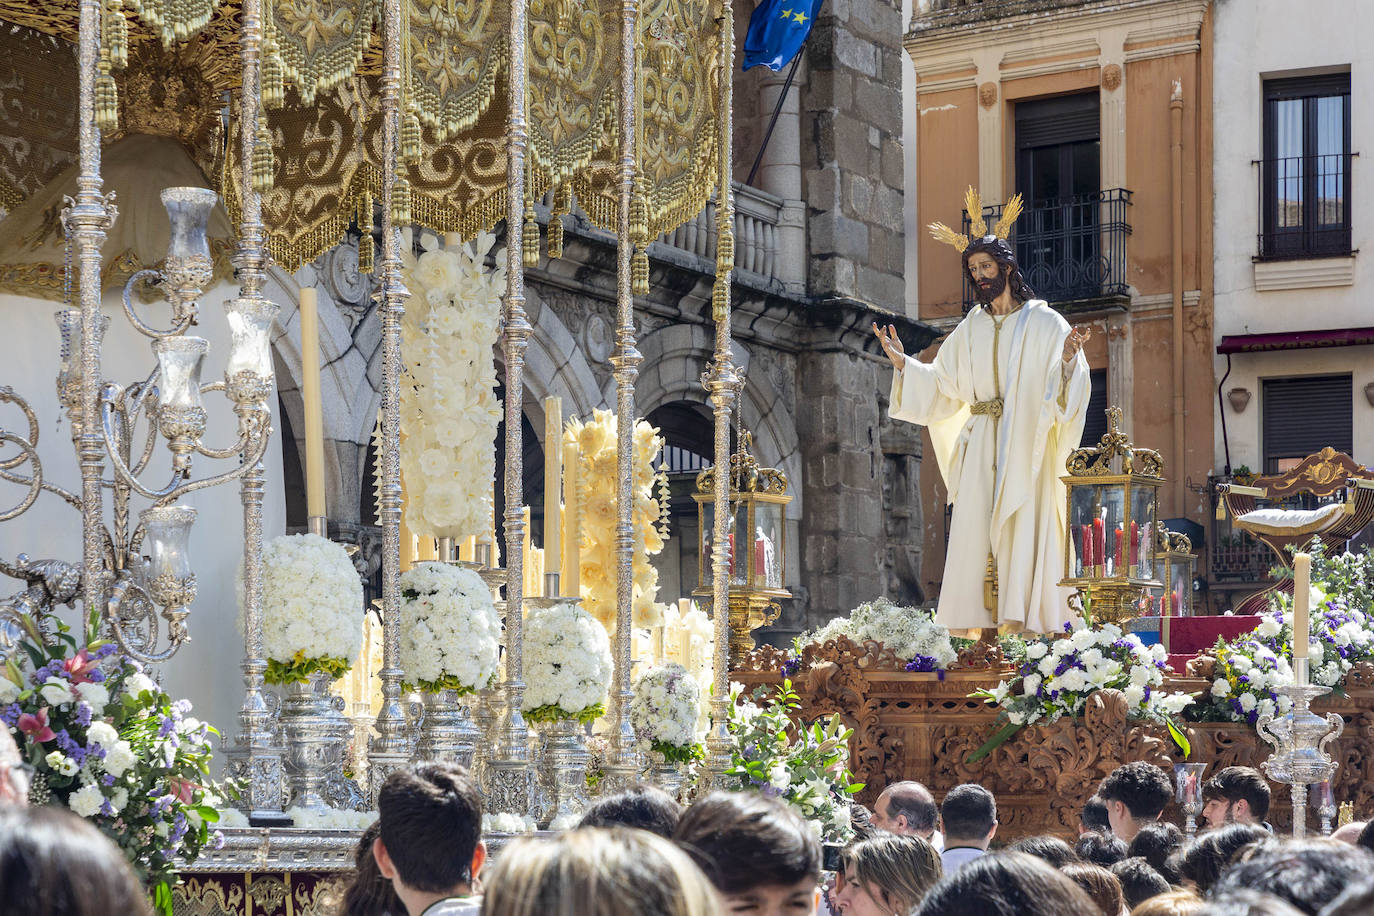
point(777, 31)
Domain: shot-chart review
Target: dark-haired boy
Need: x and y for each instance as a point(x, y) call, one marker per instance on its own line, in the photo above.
point(1135, 794)
point(1235, 795)
point(431, 846)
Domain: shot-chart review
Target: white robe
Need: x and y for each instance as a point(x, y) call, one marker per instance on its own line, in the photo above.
point(1007, 495)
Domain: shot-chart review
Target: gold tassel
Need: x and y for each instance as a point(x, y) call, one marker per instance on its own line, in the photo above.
point(639, 216)
point(725, 251)
point(264, 164)
point(273, 77)
point(639, 272)
point(117, 35)
point(720, 300)
point(529, 236)
point(400, 202)
point(106, 97)
point(410, 138)
point(562, 203)
point(365, 252)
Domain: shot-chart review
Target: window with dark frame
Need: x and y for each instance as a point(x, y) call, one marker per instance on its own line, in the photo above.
point(1095, 422)
point(1304, 414)
point(1305, 172)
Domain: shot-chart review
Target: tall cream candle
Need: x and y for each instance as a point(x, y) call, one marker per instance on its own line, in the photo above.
point(1302, 594)
point(553, 481)
point(572, 520)
point(314, 408)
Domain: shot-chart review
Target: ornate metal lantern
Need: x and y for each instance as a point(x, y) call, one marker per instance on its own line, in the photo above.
point(757, 546)
point(1112, 506)
point(1174, 565)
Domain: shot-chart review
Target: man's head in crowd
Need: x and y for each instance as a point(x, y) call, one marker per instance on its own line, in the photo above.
point(1094, 817)
point(906, 808)
point(1135, 794)
point(1308, 874)
point(757, 851)
point(643, 807)
point(1235, 795)
point(969, 815)
point(431, 834)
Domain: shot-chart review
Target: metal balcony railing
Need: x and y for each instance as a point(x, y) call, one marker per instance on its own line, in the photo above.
point(1070, 249)
point(1304, 206)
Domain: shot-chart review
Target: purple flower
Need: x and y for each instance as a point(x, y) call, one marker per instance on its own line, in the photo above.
point(107, 780)
point(790, 667)
point(83, 713)
point(167, 727)
point(104, 651)
point(10, 714)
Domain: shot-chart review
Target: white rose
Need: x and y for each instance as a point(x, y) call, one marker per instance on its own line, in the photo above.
point(56, 692)
point(1083, 639)
point(1268, 627)
point(1316, 653)
point(1047, 665)
point(1140, 675)
point(1247, 702)
point(102, 733)
point(1221, 688)
point(119, 799)
point(86, 801)
point(119, 758)
point(1036, 651)
point(95, 694)
point(1016, 718)
point(136, 683)
point(1030, 684)
point(779, 778)
point(1135, 695)
point(1175, 703)
point(9, 691)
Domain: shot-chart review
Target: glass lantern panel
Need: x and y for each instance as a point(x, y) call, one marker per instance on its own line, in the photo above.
point(739, 545)
point(1180, 588)
point(767, 545)
point(1082, 498)
point(1142, 523)
point(1109, 514)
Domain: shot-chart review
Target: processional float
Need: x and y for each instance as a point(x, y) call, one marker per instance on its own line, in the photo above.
point(452, 117)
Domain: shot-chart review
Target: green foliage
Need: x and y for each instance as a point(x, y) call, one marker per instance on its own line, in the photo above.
point(299, 669)
point(553, 713)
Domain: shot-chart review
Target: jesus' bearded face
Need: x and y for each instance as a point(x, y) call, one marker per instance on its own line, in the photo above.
point(989, 278)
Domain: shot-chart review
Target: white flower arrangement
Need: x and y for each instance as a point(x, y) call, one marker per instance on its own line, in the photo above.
point(1057, 674)
point(331, 819)
point(507, 823)
point(911, 633)
point(312, 608)
point(664, 712)
point(450, 631)
point(596, 447)
point(567, 664)
point(448, 402)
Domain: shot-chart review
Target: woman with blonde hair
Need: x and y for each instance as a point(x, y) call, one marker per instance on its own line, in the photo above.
point(596, 871)
point(887, 875)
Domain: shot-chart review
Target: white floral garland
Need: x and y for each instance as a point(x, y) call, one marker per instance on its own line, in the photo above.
point(909, 632)
point(448, 402)
point(567, 663)
point(450, 631)
point(664, 712)
point(597, 452)
point(312, 604)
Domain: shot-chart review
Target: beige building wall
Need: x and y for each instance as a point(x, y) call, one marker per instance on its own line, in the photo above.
point(972, 69)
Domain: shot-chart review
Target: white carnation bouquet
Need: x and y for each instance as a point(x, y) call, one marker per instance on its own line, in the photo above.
point(911, 633)
point(1057, 674)
point(450, 631)
point(448, 401)
point(312, 608)
point(567, 664)
point(664, 713)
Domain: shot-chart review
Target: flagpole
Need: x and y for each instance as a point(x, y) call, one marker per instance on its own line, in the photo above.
point(777, 110)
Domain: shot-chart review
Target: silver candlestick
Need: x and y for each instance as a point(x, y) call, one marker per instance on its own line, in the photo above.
point(1300, 738)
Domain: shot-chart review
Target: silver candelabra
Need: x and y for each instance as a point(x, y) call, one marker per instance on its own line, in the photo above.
point(1300, 737)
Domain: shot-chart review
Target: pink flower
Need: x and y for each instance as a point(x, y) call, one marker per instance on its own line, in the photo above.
point(36, 726)
point(183, 789)
point(79, 667)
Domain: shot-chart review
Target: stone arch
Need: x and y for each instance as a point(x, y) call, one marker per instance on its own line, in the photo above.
point(676, 355)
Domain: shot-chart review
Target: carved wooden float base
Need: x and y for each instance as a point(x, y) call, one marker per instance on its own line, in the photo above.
point(918, 726)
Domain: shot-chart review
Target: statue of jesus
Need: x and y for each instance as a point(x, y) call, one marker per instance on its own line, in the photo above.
point(1004, 400)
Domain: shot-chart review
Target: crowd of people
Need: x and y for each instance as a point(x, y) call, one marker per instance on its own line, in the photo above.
point(639, 853)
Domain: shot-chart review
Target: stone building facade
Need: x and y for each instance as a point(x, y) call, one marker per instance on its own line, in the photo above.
point(819, 257)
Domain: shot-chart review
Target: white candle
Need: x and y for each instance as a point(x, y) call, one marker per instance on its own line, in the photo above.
point(553, 481)
point(572, 518)
point(1302, 593)
point(314, 408)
